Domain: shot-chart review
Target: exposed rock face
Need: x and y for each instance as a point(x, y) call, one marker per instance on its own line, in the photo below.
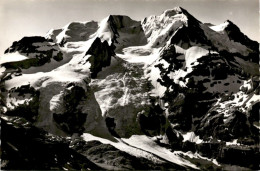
point(30, 102)
point(25, 45)
point(243, 156)
point(38, 49)
point(72, 119)
point(235, 34)
point(101, 54)
point(169, 92)
point(25, 146)
point(196, 107)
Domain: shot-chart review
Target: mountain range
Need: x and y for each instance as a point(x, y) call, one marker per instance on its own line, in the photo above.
point(167, 92)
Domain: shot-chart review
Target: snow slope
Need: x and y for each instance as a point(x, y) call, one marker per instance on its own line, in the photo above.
point(143, 146)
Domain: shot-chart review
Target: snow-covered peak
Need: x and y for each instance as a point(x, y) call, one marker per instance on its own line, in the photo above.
point(121, 21)
point(178, 9)
point(169, 12)
point(159, 29)
point(105, 31)
point(223, 26)
point(172, 12)
point(220, 27)
point(232, 38)
point(111, 26)
point(74, 31)
point(125, 31)
point(228, 21)
point(117, 30)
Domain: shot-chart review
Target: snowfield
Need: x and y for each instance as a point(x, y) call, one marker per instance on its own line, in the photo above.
point(143, 146)
point(12, 57)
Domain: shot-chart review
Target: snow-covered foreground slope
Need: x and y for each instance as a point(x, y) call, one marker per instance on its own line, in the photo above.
point(169, 92)
point(143, 146)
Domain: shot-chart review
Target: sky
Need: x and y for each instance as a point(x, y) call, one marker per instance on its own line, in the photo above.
point(19, 18)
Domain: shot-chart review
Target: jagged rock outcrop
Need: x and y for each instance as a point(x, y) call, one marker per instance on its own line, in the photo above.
point(25, 146)
point(235, 34)
point(100, 57)
point(38, 50)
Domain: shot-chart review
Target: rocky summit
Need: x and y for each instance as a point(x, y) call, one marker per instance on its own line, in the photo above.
point(167, 92)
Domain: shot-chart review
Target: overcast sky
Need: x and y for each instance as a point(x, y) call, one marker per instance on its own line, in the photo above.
point(20, 18)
